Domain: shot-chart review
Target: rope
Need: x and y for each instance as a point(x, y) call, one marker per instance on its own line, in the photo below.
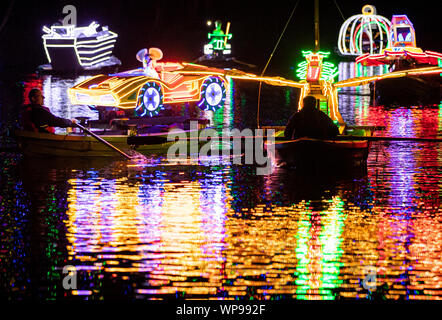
point(270, 58)
point(343, 18)
point(8, 12)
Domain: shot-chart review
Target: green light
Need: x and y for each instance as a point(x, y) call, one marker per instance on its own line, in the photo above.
point(439, 64)
point(328, 71)
point(218, 40)
point(332, 221)
point(325, 54)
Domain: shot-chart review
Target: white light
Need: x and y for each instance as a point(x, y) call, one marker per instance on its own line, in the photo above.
point(347, 46)
point(96, 56)
point(46, 29)
point(95, 45)
point(107, 98)
point(96, 50)
point(82, 97)
point(100, 48)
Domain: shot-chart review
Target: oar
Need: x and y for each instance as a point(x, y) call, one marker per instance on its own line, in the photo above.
point(103, 141)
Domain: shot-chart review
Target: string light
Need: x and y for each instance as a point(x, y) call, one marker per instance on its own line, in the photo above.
point(314, 69)
point(373, 26)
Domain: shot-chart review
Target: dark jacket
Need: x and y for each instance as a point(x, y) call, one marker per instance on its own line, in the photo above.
point(38, 118)
point(312, 123)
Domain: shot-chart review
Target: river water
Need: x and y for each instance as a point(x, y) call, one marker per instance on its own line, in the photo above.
point(151, 229)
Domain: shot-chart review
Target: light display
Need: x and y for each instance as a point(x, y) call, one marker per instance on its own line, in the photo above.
point(360, 81)
point(439, 63)
point(402, 48)
point(402, 33)
point(218, 41)
point(150, 99)
point(213, 94)
point(178, 83)
point(314, 68)
point(319, 77)
point(68, 46)
point(407, 53)
point(364, 33)
point(188, 82)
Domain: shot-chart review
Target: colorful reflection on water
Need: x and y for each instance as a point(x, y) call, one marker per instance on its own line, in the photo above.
point(157, 230)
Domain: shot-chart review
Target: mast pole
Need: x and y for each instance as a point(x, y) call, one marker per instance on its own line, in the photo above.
point(316, 25)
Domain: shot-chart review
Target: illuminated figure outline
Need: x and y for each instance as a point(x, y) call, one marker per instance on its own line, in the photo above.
point(218, 41)
point(375, 27)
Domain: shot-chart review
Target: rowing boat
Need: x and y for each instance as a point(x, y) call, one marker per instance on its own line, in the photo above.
point(307, 153)
point(73, 145)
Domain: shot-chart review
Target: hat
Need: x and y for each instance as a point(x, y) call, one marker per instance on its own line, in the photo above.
point(154, 54)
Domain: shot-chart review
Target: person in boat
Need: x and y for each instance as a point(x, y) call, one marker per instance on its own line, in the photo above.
point(310, 122)
point(149, 58)
point(37, 118)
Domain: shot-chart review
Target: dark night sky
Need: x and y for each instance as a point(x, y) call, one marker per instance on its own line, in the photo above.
point(179, 29)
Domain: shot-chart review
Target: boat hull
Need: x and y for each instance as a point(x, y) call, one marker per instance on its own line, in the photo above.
point(45, 144)
point(407, 91)
point(307, 153)
point(325, 155)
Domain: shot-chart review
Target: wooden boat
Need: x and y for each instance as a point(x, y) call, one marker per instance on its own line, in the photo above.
point(73, 145)
point(344, 152)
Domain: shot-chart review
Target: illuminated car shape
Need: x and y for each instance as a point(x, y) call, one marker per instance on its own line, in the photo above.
point(177, 83)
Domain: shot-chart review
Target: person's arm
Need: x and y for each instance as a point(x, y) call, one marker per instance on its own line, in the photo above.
point(290, 127)
point(331, 129)
point(42, 117)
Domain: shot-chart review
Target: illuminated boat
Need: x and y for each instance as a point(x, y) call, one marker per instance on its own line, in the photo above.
point(71, 48)
point(404, 56)
point(142, 95)
point(177, 83)
point(218, 53)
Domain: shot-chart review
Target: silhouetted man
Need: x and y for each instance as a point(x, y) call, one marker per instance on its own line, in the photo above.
point(310, 122)
point(37, 118)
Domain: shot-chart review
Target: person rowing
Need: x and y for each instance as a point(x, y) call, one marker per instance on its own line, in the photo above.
point(310, 122)
point(37, 118)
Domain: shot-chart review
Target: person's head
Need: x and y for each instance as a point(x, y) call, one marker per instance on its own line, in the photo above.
point(309, 103)
point(35, 96)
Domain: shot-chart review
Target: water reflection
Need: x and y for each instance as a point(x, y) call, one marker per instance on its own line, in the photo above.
point(160, 231)
point(406, 179)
